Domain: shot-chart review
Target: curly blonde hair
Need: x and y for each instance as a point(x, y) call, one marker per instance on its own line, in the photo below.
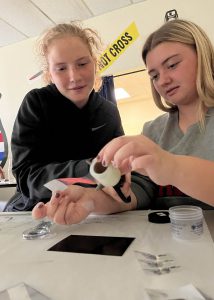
point(188, 33)
point(89, 36)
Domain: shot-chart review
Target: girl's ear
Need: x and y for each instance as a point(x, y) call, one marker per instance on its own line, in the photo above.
point(47, 77)
point(95, 65)
point(97, 82)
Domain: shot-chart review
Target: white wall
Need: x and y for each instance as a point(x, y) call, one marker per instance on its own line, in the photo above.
point(18, 62)
point(148, 16)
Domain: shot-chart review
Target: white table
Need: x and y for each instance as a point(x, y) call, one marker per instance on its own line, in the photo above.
point(65, 276)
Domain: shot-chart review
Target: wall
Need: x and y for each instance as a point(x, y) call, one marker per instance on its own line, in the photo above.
point(135, 113)
point(138, 109)
point(148, 16)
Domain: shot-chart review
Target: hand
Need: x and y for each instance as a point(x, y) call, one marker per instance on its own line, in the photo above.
point(115, 152)
point(74, 204)
point(138, 153)
point(66, 207)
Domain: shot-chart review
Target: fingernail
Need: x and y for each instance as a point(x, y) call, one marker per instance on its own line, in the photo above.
point(39, 205)
point(104, 163)
point(129, 168)
point(98, 158)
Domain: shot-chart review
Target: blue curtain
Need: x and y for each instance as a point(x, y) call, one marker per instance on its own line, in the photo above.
point(107, 89)
point(3, 146)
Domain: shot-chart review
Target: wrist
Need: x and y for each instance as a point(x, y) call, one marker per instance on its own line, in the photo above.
point(175, 171)
point(90, 202)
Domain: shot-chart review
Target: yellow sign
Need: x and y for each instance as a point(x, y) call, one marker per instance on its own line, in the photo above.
point(119, 46)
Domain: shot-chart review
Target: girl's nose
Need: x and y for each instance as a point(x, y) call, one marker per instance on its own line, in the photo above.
point(74, 75)
point(164, 79)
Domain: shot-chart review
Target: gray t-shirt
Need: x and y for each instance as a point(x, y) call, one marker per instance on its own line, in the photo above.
point(198, 142)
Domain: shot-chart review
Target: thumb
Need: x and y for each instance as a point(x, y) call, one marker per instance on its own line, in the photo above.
point(39, 211)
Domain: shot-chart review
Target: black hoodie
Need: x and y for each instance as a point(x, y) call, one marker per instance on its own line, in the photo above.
point(52, 138)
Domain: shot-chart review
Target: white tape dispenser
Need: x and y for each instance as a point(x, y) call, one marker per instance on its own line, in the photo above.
point(108, 176)
point(105, 176)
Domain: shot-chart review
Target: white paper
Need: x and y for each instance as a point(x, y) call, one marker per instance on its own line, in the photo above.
point(55, 185)
point(187, 292)
point(22, 291)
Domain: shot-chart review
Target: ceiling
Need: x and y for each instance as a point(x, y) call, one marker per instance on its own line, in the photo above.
point(23, 19)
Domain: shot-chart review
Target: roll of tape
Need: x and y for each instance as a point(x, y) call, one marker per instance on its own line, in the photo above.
point(107, 176)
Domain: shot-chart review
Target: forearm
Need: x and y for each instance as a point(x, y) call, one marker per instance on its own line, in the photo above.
point(105, 204)
point(194, 177)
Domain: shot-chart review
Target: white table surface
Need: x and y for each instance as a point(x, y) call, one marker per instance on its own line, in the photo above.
point(65, 276)
point(7, 183)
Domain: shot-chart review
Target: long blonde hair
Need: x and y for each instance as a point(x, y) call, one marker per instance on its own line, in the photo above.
point(188, 33)
point(89, 36)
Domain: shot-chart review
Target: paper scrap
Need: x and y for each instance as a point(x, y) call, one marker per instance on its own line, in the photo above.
point(22, 291)
point(185, 292)
point(55, 185)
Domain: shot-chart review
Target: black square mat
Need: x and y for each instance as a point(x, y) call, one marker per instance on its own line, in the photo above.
point(102, 245)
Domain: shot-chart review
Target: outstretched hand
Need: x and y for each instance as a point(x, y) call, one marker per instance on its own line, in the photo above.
point(70, 206)
point(74, 204)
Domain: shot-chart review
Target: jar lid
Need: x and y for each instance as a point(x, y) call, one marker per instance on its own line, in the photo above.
point(159, 217)
point(185, 212)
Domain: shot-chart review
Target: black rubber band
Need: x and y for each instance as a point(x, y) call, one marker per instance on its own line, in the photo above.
point(118, 187)
point(121, 195)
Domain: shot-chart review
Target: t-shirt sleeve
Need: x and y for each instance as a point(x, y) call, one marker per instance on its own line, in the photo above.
point(144, 190)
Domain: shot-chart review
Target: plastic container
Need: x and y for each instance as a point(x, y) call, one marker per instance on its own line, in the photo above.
point(186, 221)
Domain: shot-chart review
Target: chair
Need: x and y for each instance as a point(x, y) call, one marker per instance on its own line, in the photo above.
point(2, 176)
point(3, 146)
